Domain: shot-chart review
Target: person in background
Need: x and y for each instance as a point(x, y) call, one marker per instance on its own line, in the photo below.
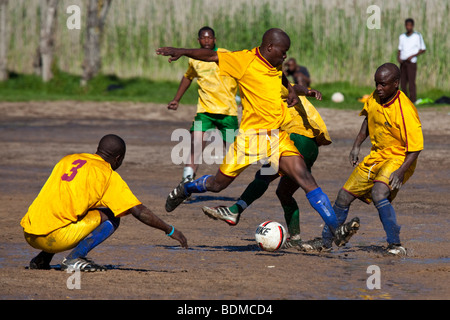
point(410, 46)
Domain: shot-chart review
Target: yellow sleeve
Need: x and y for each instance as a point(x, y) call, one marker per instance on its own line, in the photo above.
point(412, 128)
point(234, 64)
point(118, 196)
point(190, 73)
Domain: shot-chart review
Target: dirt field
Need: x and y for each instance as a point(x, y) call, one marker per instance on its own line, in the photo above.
point(222, 262)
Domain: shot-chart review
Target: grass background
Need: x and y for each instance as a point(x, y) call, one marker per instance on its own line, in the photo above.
point(330, 37)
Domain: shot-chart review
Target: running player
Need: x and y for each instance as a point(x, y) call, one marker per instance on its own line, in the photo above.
point(392, 122)
point(80, 206)
point(308, 131)
point(216, 108)
point(259, 75)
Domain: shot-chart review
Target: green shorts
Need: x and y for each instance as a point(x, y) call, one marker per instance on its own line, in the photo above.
point(227, 125)
point(307, 147)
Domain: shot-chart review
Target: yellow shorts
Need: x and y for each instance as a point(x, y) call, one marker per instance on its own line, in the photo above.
point(362, 179)
point(250, 147)
point(67, 237)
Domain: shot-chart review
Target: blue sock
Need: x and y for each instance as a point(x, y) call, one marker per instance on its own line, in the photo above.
point(321, 203)
point(196, 186)
point(341, 215)
point(100, 234)
point(388, 219)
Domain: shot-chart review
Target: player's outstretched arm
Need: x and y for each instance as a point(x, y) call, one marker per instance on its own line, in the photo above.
point(360, 138)
point(206, 55)
point(143, 214)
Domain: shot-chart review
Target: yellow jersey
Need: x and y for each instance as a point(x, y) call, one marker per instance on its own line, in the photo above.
point(216, 93)
point(262, 105)
point(78, 183)
point(394, 128)
point(306, 121)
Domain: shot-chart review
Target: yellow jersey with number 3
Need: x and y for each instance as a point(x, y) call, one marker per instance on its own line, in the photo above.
point(394, 128)
point(78, 183)
point(216, 93)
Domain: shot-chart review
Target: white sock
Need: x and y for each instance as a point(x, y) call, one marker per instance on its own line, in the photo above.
point(188, 171)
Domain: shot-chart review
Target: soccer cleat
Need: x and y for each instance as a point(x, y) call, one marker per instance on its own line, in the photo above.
point(345, 231)
point(292, 242)
point(315, 244)
point(176, 197)
point(41, 261)
point(222, 213)
point(186, 180)
point(81, 264)
point(396, 250)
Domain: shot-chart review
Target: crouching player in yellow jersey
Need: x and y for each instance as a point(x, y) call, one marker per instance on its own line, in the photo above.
point(80, 206)
point(259, 76)
point(216, 108)
point(393, 124)
point(308, 132)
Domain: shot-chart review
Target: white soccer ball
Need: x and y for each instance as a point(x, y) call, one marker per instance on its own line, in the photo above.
point(337, 97)
point(270, 236)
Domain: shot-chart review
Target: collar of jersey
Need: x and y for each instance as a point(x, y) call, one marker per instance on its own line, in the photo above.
point(259, 55)
point(392, 100)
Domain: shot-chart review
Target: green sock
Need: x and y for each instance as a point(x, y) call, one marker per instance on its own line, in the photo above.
point(254, 191)
point(292, 217)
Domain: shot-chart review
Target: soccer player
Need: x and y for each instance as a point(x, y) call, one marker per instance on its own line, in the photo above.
point(80, 206)
point(392, 122)
point(216, 108)
point(259, 75)
point(308, 131)
point(410, 46)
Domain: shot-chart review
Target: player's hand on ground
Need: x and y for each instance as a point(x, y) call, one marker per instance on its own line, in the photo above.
point(174, 53)
point(177, 235)
point(173, 105)
point(396, 179)
point(354, 157)
point(315, 93)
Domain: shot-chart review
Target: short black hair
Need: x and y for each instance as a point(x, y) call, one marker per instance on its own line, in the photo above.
point(206, 28)
point(409, 20)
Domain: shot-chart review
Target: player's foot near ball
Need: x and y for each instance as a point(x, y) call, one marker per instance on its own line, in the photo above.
point(314, 245)
point(345, 231)
point(292, 242)
point(81, 264)
point(396, 250)
point(176, 197)
point(222, 213)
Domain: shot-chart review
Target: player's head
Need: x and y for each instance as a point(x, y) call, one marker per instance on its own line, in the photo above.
point(409, 25)
point(207, 38)
point(387, 79)
point(291, 64)
point(112, 149)
point(275, 45)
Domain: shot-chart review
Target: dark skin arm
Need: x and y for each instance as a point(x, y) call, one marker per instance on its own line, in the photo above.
point(184, 85)
point(304, 91)
point(396, 178)
point(206, 55)
point(292, 98)
point(144, 215)
point(360, 138)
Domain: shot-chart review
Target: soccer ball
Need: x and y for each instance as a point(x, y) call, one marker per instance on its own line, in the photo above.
point(337, 97)
point(270, 236)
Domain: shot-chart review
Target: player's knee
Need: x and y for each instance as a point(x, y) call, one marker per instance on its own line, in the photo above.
point(109, 215)
point(380, 192)
point(344, 199)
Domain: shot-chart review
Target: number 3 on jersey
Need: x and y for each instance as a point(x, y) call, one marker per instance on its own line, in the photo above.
point(74, 170)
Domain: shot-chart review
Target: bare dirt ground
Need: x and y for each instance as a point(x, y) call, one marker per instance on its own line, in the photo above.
point(222, 262)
